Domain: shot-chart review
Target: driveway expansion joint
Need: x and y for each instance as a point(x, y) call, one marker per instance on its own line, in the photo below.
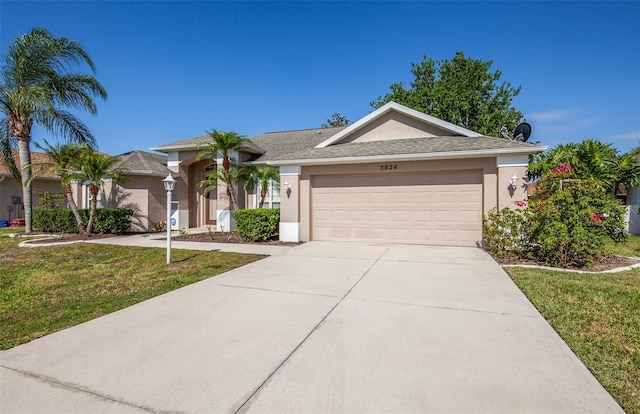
point(315, 328)
point(444, 307)
point(84, 390)
point(276, 290)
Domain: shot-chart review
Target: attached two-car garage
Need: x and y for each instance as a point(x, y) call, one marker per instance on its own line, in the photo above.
point(443, 208)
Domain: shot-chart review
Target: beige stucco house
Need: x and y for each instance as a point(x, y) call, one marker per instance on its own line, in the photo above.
point(142, 189)
point(395, 176)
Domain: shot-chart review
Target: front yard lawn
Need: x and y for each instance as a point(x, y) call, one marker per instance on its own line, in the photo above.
point(598, 316)
point(631, 247)
point(46, 289)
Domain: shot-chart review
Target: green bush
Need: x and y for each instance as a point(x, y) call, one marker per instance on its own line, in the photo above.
point(503, 233)
point(568, 224)
point(108, 220)
point(259, 224)
point(54, 220)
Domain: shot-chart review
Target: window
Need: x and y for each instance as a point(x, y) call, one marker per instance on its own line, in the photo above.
point(272, 198)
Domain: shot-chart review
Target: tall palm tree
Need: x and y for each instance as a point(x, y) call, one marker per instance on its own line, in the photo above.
point(222, 144)
point(259, 177)
point(64, 162)
point(94, 168)
point(35, 85)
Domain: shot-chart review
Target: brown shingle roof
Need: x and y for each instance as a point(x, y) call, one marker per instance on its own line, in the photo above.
point(279, 144)
point(144, 163)
point(36, 158)
point(426, 145)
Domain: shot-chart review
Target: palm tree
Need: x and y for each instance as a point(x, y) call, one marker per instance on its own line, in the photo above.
point(35, 85)
point(95, 167)
point(590, 159)
point(64, 162)
point(259, 177)
point(222, 144)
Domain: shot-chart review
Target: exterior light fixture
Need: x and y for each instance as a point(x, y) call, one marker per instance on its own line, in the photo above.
point(287, 186)
point(513, 181)
point(169, 185)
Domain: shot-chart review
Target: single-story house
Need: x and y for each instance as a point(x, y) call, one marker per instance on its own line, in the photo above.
point(395, 176)
point(142, 190)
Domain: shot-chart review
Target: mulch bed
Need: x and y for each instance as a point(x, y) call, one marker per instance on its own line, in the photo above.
point(227, 237)
point(606, 262)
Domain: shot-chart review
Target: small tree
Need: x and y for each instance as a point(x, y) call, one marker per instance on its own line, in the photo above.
point(64, 160)
point(222, 144)
point(94, 168)
point(258, 177)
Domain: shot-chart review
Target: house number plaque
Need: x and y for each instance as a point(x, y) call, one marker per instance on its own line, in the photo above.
point(388, 167)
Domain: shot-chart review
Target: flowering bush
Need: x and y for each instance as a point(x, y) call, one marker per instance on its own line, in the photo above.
point(563, 224)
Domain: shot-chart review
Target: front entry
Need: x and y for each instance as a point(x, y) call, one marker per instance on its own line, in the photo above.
point(210, 198)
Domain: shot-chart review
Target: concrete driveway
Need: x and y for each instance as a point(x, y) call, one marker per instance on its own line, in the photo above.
point(324, 327)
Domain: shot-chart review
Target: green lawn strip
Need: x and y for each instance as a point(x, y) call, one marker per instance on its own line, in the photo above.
point(631, 247)
point(46, 289)
point(10, 230)
point(598, 316)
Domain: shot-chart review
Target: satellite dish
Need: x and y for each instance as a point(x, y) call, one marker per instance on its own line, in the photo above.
point(522, 132)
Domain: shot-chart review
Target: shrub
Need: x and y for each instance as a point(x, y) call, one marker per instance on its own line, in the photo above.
point(503, 233)
point(54, 220)
point(108, 220)
point(259, 224)
point(568, 221)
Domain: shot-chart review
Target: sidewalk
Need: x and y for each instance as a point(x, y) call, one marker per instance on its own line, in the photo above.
point(160, 240)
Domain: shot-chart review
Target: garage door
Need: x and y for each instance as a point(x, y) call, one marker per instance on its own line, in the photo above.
point(443, 208)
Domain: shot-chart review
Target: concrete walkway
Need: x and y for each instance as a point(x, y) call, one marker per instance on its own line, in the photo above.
point(159, 240)
point(319, 328)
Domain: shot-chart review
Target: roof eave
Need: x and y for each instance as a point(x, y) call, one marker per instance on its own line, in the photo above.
point(411, 157)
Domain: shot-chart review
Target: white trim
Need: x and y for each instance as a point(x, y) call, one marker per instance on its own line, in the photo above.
point(392, 106)
point(410, 157)
point(290, 170)
point(290, 232)
point(512, 161)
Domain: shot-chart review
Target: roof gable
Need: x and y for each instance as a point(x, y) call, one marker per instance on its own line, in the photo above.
point(395, 121)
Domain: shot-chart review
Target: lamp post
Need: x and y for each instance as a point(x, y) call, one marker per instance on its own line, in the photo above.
point(169, 185)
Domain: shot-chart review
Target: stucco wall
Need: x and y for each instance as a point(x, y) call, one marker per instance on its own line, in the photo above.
point(10, 187)
point(302, 203)
point(392, 126)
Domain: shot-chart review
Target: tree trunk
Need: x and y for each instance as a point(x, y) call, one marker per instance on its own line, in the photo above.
point(25, 174)
point(226, 164)
point(74, 209)
point(94, 206)
point(263, 194)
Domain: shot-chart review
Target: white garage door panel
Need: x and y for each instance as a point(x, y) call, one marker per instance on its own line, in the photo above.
point(430, 208)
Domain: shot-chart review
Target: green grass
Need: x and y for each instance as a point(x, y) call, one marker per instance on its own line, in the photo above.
point(9, 230)
point(46, 289)
point(629, 248)
point(598, 316)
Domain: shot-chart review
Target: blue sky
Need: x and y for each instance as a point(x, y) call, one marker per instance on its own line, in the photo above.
point(175, 69)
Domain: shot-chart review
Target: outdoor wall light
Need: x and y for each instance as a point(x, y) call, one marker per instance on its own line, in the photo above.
point(169, 185)
point(513, 181)
point(287, 186)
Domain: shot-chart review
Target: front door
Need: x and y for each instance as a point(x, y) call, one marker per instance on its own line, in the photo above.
point(210, 198)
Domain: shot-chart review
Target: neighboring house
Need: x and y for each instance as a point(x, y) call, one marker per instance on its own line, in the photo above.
point(11, 206)
point(141, 190)
point(397, 175)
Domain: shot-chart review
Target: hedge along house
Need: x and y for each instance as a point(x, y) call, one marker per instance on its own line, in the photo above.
point(142, 189)
point(397, 175)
